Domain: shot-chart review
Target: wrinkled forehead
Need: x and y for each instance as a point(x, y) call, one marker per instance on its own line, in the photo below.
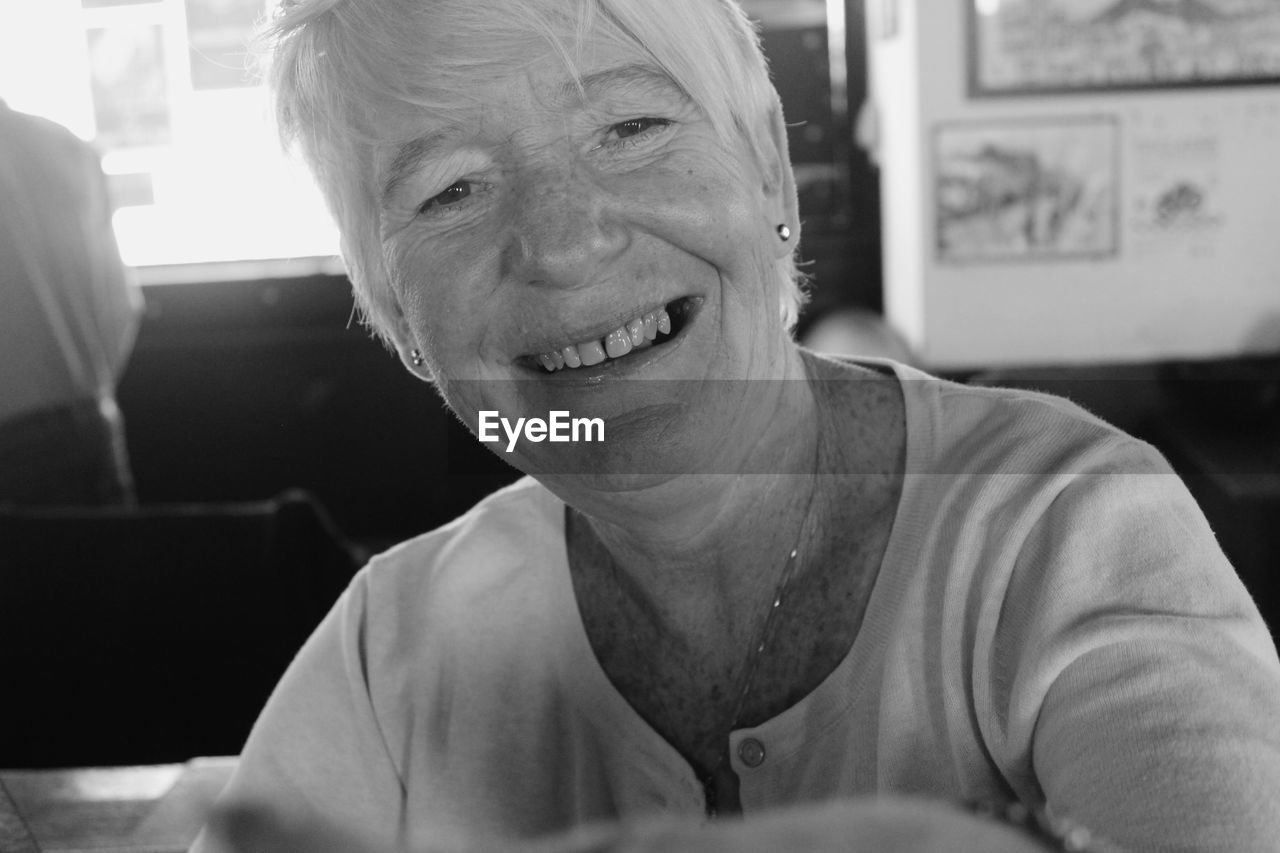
point(437, 60)
point(444, 55)
point(500, 35)
point(504, 28)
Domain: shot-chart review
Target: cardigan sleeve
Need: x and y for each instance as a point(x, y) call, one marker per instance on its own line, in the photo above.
point(317, 751)
point(1136, 672)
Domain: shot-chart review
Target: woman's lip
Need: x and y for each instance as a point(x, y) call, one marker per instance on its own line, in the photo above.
point(603, 329)
point(629, 363)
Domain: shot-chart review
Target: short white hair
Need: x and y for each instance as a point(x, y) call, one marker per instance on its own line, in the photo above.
point(342, 71)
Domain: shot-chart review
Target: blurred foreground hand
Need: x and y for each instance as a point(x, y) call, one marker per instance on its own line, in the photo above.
point(883, 825)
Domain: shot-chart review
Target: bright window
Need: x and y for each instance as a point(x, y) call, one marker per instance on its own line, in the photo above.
point(162, 88)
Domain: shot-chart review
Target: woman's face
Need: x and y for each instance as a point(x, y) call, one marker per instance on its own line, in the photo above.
point(541, 242)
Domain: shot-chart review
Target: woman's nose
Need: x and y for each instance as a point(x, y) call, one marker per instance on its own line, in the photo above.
point(565, 229)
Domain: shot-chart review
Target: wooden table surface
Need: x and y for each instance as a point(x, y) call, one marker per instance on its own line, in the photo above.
point(153, 809)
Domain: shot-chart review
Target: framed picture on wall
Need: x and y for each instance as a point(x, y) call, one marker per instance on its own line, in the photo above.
point(129, 84)
point(1026, 190)
point(1019, 47)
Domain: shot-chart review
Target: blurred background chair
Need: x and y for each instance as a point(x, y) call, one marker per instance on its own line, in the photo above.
point(142, 636)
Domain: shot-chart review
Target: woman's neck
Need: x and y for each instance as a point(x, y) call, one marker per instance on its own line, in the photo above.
point(706, 545)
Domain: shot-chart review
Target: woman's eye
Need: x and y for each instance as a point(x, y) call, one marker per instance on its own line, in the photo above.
point(452, 194)
point(636, 126)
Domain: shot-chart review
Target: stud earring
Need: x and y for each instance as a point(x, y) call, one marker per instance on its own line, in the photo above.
point(416, 357)
point(784, 232)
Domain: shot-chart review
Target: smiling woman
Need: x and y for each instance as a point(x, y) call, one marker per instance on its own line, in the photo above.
point(394, 118)
point(777, 580)
point(536, 224)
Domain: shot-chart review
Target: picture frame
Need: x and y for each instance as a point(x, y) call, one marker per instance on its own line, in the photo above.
point(1022, 47)
point(886, 16)
point(128, 81)
point(1026, 190)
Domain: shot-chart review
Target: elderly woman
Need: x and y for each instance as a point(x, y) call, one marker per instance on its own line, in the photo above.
point(778, 580)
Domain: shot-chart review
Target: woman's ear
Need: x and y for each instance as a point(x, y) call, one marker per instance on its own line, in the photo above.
point(383, 311)
point(779, 181)
point(410, 352)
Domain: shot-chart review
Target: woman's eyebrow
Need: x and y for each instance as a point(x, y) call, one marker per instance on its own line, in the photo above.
point(409, 156)
point(634, 76)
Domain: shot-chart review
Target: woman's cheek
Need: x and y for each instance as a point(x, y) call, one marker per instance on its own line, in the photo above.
point(425, 278)
point(405, 266)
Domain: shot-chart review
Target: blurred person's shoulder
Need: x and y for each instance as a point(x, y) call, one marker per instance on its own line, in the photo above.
point(44, 147)
point(25, 126)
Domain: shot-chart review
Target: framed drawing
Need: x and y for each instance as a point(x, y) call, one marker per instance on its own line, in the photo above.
point(127, 78)
point(885, 16)
point(1026, 190)
point(1019, 47)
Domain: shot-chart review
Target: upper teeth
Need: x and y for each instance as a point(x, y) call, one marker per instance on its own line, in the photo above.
point(622, 340)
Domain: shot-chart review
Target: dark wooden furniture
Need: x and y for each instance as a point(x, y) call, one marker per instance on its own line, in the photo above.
point(155, 635)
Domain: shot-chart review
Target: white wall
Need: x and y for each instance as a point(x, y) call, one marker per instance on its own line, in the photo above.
point(1203, 288)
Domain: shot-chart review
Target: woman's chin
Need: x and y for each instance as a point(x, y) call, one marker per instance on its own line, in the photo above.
point(619, 462)
point(580, 489)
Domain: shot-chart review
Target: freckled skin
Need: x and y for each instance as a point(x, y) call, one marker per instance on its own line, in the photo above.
point(564, 230)
point(687, 692)
point(685, 686)
point(565, 234)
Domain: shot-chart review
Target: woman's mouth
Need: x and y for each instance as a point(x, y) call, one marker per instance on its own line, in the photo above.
point(648, 330)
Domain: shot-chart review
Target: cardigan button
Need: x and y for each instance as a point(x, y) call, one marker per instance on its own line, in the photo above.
point(751, 751)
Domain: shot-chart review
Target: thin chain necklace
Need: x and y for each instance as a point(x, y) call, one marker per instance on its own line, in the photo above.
point(761, 641)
